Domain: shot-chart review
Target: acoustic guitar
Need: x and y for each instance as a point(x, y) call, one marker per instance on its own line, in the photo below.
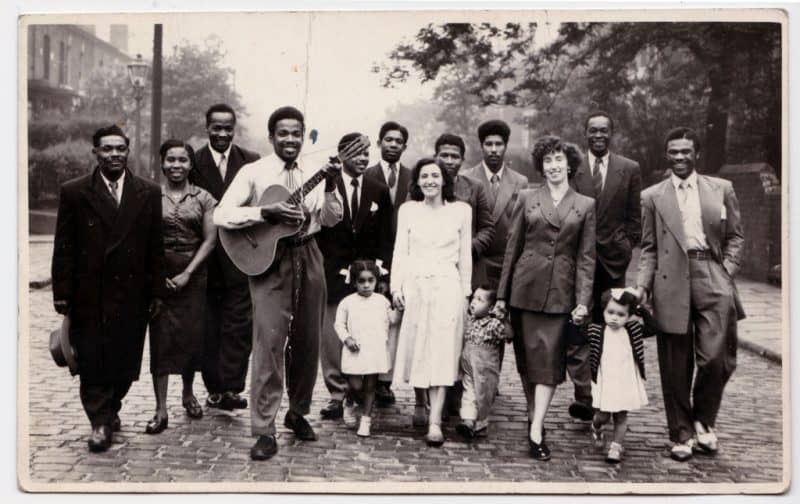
point(252, 249)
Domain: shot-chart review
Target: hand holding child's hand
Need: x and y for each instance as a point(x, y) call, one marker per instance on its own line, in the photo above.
point(579, 314)
point(351, 344)
point(499, 309)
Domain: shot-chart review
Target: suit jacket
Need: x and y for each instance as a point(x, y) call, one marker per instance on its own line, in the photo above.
point(502, 205)
point(108, 263)
point(368, 238)
point(550, 259)
point(619, 213)
point(472, 192)
point(403, 181)
point(221, 270)
point(664, 263)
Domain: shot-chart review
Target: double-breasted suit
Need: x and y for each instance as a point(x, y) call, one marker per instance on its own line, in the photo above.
point(618, 218)
point(694, 297)
point(502, 204)
point(471, 191)
point(108, 265)
point(401, 195)
point(364, 236)
point(229, 313)
point(548, 269)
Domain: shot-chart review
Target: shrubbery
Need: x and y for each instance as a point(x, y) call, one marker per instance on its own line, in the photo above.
point(55, 130)
point(50, 167)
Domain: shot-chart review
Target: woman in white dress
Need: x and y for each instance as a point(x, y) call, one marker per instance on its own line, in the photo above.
point(431, 273)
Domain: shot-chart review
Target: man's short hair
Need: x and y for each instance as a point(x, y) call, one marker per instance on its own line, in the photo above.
point(598, 113)
point(348, 138)
point(287, 112)
point(683, 132)
point(491, 293)
point(112, 130)
point(450, 139)
point(494, 127)
point(219, 107)
point(393, 126)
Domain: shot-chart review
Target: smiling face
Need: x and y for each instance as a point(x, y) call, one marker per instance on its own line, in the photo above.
point(598, 135)
point(615, 314)
point(494, 150)
point(449, 157)
point(176, 165)
point(220, 130)
point(287, 140)
point(392, 146)
point(356, 165)
point(555, 167)
point(430, 181)
point(112, 156)
point(365, 283)
point(682, 156)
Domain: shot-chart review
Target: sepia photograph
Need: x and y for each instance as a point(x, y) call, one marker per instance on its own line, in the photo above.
point(488, 251)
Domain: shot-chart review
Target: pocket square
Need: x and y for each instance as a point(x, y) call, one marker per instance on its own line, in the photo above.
point(373, 207)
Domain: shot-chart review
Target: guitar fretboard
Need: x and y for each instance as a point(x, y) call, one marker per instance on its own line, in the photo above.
point(297, 197)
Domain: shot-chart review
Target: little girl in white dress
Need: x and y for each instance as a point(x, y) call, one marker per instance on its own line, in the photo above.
point(362, 323)
point(617, 361)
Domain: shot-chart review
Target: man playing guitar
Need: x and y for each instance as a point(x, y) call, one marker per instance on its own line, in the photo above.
point(289, 297)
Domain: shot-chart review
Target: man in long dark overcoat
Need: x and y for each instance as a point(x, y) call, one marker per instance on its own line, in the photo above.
point(107, 276)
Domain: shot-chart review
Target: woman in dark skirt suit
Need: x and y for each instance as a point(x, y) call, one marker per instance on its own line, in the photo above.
point(547, 277)
point(176, 333)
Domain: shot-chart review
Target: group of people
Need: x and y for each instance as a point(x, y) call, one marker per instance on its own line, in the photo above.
point(415, 275)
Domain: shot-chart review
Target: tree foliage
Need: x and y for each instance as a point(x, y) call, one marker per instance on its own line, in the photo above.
point(721, 78)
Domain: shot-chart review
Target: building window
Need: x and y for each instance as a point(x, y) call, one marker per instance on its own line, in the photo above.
point(62, 63)
point(46, 57)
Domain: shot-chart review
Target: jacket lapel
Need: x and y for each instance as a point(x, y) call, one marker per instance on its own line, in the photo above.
point(503, 194)
point(711, 202)
point(545, 203)
point(100, 199)
point(208, 169)
point(667, 205)
point(403, 175)
point(566, 205)
point(613, 176)
point(235, 161)
point(479, 174)
point(582, 181)
point(130, 204)
point(364, 203)
point(345, 202)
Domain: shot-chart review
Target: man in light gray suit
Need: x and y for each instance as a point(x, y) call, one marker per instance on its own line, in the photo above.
point(502, 186)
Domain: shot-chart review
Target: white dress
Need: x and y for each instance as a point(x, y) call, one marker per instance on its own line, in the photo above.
point(619, 385)
point(366, 320)
point(432, 267)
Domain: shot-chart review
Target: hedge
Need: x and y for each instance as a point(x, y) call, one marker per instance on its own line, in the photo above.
point(50, 167)
point(43, 133)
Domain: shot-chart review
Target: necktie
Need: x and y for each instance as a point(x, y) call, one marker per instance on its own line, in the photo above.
point(392, 175)
point(223, 167)
point(683, 189)
point(354, 202)
point(495, 184)
point(597, 177)
point(113, 185)
point(290, 182)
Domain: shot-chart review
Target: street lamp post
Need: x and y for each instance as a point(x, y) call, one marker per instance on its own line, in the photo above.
point(137, 72)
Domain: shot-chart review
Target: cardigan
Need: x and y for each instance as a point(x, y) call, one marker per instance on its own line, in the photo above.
point(636, 332)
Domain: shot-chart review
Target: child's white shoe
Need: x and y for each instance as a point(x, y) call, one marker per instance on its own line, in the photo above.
point(598, 439)
point(364, 427)
point(614, 455)
point(349, 414)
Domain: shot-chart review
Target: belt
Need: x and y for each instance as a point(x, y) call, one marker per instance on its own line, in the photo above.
point(700, 254)
point(296, 242)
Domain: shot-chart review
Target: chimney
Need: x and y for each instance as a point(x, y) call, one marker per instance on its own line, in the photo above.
point(119, 37)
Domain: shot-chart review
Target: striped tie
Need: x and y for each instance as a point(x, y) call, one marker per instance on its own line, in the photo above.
point(597, 177)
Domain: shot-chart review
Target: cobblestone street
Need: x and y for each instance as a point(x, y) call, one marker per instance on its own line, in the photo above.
point(215, 448)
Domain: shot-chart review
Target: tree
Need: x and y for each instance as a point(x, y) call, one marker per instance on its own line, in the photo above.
point(630, 67)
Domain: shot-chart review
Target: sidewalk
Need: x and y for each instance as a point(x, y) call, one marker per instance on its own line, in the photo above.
point(759, 333)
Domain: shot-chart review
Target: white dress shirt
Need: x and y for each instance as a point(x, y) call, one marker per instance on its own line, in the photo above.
point(120, 183)
point(386, 172)
point(691, 213)
point(223, 168)
point(603, 166)
point(348, 190)
point(238, 207)
point(489, 172)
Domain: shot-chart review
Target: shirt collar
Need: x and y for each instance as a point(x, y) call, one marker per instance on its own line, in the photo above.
point(603, 158)
point(691, 179)
point(489, 172)
point(119, 180)
point(216, 155)
point(347, 179)
point(385, 165)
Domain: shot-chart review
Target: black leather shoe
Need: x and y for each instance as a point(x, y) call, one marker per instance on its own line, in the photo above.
point(384, 397)
point(539, 451)
point(156, 425)
point(466, 429)
point(213, 400)
point(100, 439)
point(116, 424)
point(333, 411)
point(231, 401)
point(264, 449)
point(581, 411)
point(192, 407)
point(302, 429)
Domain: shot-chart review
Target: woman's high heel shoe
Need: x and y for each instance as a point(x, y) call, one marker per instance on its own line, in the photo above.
point(156, 425)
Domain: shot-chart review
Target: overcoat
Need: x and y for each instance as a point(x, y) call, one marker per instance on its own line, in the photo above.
point(550, 258)
point(108, 264)
point(664, 261)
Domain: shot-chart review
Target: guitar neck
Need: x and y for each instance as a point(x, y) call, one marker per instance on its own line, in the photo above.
point(297, 197)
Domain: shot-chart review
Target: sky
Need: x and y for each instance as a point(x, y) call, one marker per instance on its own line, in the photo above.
point(319, 62)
